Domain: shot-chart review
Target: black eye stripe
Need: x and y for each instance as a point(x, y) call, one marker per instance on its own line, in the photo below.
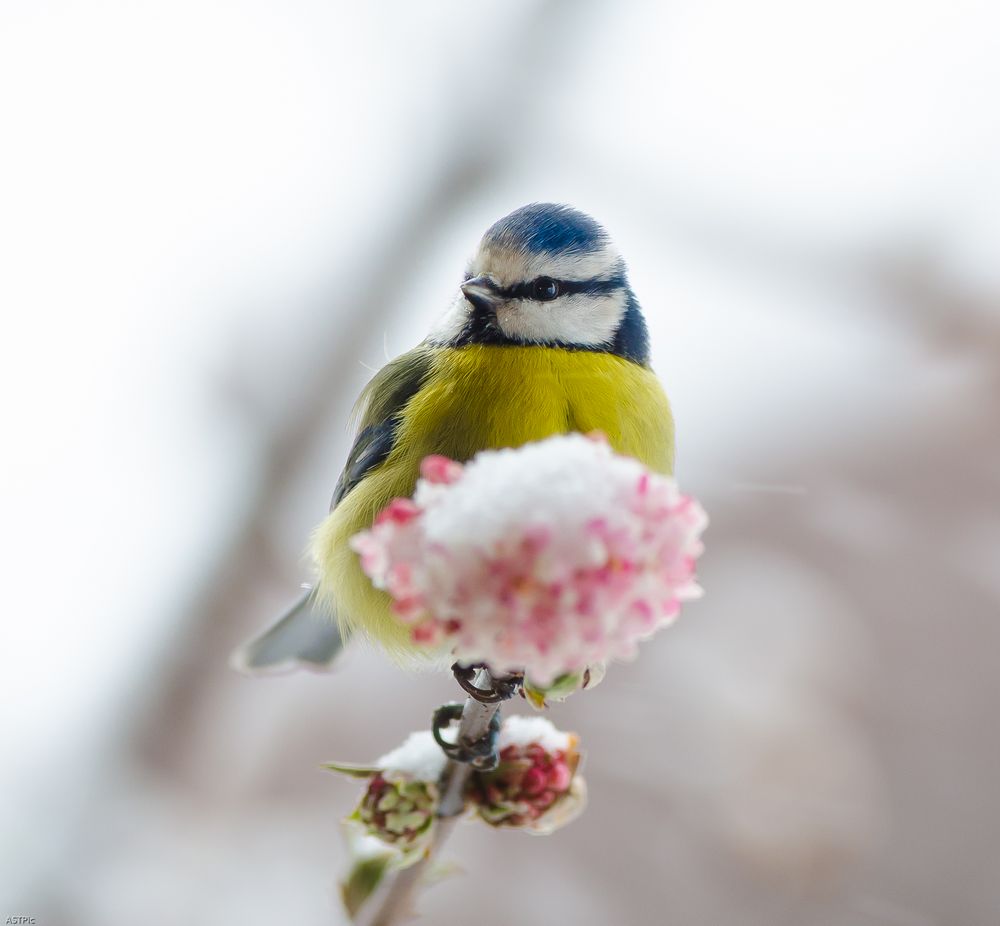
point(566, 287)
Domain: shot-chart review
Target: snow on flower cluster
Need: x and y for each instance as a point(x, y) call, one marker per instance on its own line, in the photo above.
point(544, 558)
point(519, 731)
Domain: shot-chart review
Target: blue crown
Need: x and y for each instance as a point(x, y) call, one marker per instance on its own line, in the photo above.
point(547, 228)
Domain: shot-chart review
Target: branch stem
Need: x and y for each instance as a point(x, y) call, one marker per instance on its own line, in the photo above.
point(393, 904)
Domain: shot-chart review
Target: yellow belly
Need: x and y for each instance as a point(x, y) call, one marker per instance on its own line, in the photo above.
point(477, 398)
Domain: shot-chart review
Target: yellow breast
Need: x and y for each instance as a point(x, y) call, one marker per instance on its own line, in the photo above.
point(481, 397)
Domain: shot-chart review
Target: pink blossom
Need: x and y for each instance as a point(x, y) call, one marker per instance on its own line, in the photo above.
point(440, 469)
point(547, 558)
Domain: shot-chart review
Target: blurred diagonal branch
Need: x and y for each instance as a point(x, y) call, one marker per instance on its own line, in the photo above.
point(217, 615)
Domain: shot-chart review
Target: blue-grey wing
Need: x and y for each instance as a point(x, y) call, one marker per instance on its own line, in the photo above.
point(370, 448)
point(304, 636)
point(379, 409)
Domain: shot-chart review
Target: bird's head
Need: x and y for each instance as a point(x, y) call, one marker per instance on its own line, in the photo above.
point(547, 275)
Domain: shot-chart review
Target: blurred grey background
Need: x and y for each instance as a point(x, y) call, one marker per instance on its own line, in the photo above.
point(217, 218)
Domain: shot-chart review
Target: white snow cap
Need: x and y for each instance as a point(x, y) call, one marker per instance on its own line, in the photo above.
point(519, 730)
point(572, 480)
point(419, 757)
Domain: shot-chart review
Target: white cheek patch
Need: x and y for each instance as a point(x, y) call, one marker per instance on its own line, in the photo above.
point(580, 318)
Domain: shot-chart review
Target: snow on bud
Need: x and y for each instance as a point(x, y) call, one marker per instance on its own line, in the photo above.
point(548, 558)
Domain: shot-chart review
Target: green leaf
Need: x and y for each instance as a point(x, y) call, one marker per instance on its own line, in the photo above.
point(564, 685)
point(535, 696)
point(362, 881)
point(560, 689)
point(355, 771)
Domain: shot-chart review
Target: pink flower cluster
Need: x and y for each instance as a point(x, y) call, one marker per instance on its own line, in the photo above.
point(527, 788)
point(547, 558)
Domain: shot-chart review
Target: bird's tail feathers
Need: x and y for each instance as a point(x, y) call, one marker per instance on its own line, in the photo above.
point(302, 638)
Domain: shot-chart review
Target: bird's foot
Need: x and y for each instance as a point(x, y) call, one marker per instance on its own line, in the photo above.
point(501, 689)
point(481, 754)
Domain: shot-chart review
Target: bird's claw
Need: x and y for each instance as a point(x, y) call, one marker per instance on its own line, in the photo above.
point(501, 689)
point(481, 753)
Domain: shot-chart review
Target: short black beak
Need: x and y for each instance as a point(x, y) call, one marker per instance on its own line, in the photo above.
point(482, 293)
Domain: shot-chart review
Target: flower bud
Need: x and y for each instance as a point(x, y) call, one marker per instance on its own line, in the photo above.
point(401, 799)
point(535, 786)
point(398, 810)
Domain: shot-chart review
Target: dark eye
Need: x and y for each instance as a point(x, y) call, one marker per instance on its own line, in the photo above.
point(545, 289)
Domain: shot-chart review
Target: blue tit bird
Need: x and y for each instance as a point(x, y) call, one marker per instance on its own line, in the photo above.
point(544, 337)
